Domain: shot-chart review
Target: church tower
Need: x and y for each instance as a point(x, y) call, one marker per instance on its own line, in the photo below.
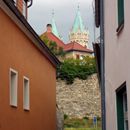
point(78, 32)
point(54, 27)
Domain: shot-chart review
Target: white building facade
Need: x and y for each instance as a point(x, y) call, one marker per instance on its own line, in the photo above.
point(115, 48)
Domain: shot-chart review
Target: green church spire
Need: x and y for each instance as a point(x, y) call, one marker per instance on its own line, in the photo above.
point(78, 22)
point(54, 27)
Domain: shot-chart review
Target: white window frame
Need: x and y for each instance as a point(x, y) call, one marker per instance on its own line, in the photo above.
point(26, 98)
point(13, 91)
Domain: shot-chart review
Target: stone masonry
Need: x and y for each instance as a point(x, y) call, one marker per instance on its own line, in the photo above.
point(80, 99)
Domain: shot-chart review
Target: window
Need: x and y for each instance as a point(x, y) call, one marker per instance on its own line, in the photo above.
point(13, 87)
point(120, 14)
point(122, 115)
point(26, 103)
point(125, 111)
point(77, 56)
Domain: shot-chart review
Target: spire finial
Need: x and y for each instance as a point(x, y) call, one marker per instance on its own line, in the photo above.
point(78, 6)
point(53, 13)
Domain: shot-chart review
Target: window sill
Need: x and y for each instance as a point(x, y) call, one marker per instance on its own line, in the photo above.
point(13, 106)
point(120, 28)
point(27, 110)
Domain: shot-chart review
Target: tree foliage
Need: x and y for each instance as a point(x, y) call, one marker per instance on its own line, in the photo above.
point(76, 68)
point(52, 45)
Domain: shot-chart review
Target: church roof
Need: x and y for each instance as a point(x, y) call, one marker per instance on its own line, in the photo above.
point(54, 38)
point(78, 23)
point(54, 27)
point(74, 46)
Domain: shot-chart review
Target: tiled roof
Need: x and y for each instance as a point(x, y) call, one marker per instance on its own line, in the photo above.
point(54, 38)
point(74, 46)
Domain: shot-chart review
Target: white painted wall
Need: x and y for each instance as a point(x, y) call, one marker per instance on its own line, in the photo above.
point(117, 60)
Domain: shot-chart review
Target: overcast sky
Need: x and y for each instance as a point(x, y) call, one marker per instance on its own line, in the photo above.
point(40, 15)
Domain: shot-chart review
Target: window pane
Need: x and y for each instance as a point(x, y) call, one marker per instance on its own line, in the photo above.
point(26, 94)
point(13, 88)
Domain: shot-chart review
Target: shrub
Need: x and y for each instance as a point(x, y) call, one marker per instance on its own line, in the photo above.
point(65, 116)
point(75, 68)
point(52, 45)
point(85, 118)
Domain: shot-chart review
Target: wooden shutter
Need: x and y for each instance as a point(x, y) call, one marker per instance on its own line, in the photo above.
point(120, 109)
point(120, 113)
point(120, 12)
point(97, 13)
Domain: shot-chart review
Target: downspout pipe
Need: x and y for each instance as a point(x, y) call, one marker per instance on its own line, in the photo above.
point(102, 45)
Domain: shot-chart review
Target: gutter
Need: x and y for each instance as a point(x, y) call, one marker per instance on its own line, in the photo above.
point(39, 43)
point(78, 51)
point(102, 83)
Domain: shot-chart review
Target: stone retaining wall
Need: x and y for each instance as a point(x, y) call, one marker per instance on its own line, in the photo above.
point(80, 99)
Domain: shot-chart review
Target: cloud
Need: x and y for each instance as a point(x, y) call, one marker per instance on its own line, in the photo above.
point(65, 10)
point(56, 3)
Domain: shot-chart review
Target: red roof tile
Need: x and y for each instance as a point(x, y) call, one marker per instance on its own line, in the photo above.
point(52, 37)
point(73, 46)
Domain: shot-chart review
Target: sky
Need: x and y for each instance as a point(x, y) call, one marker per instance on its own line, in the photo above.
point(40, 14)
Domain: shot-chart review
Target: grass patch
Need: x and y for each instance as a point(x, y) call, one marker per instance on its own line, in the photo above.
point(82, 129)
point(81, 123)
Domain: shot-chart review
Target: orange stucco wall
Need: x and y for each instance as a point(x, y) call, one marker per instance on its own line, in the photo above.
point(17, 52)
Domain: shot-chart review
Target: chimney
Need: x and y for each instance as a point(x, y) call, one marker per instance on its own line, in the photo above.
point(19, 4)
point(23, 6)
point(49, 28)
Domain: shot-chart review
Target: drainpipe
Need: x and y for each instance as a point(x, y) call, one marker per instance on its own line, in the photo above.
point(28, 4)
point(102, 65)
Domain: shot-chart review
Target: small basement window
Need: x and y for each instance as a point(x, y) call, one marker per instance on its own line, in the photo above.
point(26, 99)
point(13, 87)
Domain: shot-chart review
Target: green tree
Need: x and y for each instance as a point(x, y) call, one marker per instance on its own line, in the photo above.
point(76, 68)
point(52, 45)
